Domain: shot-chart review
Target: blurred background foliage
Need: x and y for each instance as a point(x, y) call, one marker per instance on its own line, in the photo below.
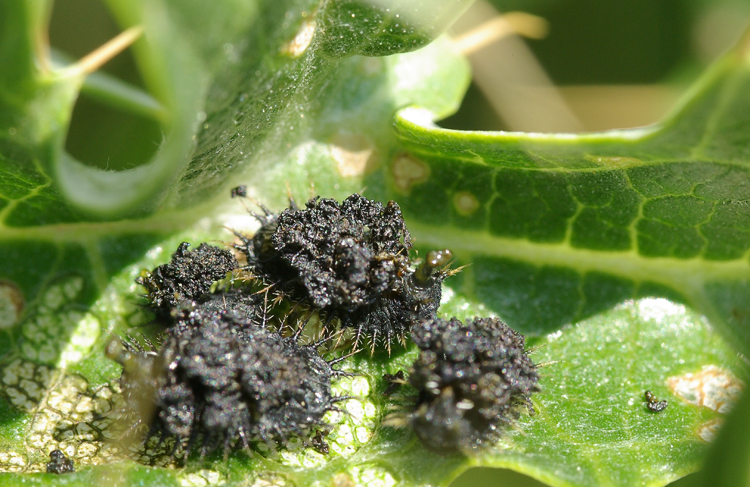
point(619, 63)
point(608, 64)
point(615, 64)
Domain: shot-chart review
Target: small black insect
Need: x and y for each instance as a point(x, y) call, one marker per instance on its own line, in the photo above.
point(240, 191)
point(59, 463)
point(222, 380)
point(351, 262)
point(472, 379)
point(654, 404)
point(319, 443)
point(188, 276)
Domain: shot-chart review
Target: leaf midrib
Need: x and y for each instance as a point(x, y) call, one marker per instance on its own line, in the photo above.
point(164, 223)
point(675, 273)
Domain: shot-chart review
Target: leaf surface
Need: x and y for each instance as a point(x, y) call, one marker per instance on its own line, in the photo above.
point(574, 240)
point(594, 218)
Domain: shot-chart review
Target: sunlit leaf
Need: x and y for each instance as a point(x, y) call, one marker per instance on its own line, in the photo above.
point(575, 240)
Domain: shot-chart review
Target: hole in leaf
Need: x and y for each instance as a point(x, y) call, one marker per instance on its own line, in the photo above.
point(111, 139)
point(475, 113)
point(101, 134)
point(77, 27)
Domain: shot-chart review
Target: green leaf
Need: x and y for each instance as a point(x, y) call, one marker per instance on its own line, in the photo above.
point(389, 27)
point(560, 227)
point(593, 426)
point(569, 239)
point(256, 69)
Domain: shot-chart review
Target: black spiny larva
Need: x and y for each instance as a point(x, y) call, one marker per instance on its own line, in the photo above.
point(59, 463)
point(188, 276)
point(653, 404)
point(350, 261)
point(472, 379)
point(220, 381)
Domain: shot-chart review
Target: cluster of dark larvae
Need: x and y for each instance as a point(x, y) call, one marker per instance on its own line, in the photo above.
point(230, 368)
